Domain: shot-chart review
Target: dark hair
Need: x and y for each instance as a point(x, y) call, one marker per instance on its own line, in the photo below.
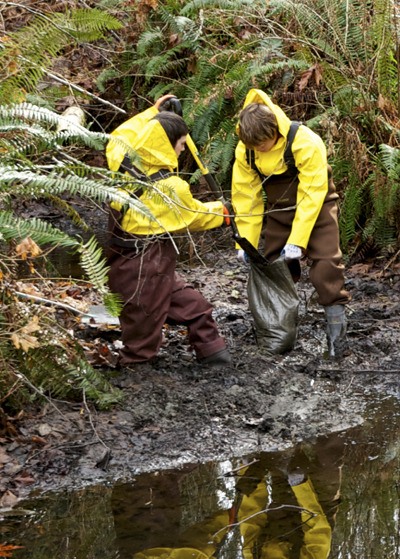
point(174, 125)
point(257, 123)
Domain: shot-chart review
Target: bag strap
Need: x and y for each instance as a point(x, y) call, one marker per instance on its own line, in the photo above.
point(116, 217)
point(127, 166)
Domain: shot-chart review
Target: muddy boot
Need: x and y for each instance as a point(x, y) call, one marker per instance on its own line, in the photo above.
point(219, 359)
point(336, 331)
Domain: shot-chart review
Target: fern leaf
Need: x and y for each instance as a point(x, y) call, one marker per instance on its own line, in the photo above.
point(94, 264)
point(12, 227)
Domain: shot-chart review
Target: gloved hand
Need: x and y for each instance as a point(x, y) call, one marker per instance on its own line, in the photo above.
point(291, 252)
point(242, 256)
point(227, 215)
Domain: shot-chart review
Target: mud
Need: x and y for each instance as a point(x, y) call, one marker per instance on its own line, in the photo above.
point(177, 412)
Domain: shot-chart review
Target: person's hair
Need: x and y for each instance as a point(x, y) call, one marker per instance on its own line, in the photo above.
point(257, 123)
point(174, 125)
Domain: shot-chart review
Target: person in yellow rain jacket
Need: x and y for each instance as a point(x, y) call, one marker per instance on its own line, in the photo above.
point(275, 515)
point(285, 163)
point(142, 255)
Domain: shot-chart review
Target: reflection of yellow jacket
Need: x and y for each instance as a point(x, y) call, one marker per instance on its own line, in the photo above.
point(317, 532)
point(170, 202)
point(202, 541)
point(310, 157)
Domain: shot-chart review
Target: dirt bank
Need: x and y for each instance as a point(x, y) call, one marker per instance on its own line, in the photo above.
point(179, 412)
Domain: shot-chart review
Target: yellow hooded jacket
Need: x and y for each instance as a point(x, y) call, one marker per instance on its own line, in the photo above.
point(311, 161)
point(171, 201)
point(256, 541)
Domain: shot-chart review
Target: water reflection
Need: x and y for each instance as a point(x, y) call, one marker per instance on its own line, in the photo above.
point(336, 497)
point(278, 506)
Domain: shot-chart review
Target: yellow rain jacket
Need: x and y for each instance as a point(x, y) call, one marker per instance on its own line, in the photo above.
point(171, 201)
point(311, 161)
point(256, 541)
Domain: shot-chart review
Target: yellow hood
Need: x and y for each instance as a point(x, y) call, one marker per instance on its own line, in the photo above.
point(154, 149)
point(258, 96)
point(149, 141)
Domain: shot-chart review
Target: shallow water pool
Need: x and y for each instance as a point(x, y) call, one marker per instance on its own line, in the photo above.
point(336, 497)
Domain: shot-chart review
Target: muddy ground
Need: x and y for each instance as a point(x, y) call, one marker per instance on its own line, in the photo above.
point(180, 412)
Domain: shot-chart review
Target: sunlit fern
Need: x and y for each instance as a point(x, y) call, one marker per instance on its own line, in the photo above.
point(39, 163)
point(26, 54)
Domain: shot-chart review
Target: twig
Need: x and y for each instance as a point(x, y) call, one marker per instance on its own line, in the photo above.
point(82, 90)
point(33, 387)
point(232, 472)
point(12, 389)
point(49, 302)
point(92, 424)
point(390, 262)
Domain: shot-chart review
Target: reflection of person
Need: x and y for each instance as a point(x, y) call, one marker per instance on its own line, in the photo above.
point(282, 510)
point(143, 256)
point(286, 164)
point(308, 488)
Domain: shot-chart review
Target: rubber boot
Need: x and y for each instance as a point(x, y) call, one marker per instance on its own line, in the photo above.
point(336, 331)
point(218, 359)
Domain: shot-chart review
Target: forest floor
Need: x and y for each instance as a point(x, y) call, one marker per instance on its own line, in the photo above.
point(179, 412)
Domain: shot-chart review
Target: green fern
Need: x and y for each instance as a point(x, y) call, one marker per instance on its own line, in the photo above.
point(29, 51)
point(13, 227)
point(94, 264)
point(60, 370)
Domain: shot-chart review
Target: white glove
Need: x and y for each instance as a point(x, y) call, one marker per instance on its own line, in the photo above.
point(242, 256)
point(291, 252)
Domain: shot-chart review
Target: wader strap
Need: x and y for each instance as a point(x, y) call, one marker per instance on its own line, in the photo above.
point(287, 156)
point(119, 237)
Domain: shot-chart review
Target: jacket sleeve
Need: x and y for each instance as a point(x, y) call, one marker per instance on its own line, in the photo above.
point(310, 156)
point(192, 214)
point(317, 530)
point(174, 209)
point(247, 198)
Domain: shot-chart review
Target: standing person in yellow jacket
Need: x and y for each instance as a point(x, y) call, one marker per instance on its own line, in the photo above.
point(286, 164)
point(142, 256)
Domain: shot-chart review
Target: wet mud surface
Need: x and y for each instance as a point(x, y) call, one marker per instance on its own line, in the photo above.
point(177, 412)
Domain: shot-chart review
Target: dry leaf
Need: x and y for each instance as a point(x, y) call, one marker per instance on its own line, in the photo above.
point(23, 339)
point(32, 326)
point(28, 249)
point(24, 342)
point(8, 500)
point(6, 550)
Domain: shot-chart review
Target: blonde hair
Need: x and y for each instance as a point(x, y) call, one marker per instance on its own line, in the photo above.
point(257, 123)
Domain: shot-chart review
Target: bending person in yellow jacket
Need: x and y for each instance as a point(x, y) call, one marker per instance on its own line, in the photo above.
point(274, 515)
point(281, 174)
point(142, 256)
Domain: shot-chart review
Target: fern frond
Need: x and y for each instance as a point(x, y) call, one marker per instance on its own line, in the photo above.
point(350, 211)
point(58, 372)
point(113, 303)
point(26, 182)
point(30, 50)
point(149, 42)
point(235, 5)
point(12, 227)
point(88, 24)
point(94, 264)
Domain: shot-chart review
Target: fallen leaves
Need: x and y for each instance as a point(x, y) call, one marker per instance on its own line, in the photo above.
point(22, 339)
point(28, 249)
